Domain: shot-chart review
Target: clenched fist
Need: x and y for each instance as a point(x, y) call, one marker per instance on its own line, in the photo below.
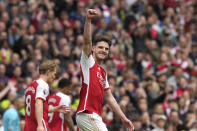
point(92, 13)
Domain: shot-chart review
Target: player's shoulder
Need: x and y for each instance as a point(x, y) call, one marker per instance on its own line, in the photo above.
point(85, 57)
point(62, 95)
point(41, 82)
point(53, 99)
point(54, 96)
point(65, 99)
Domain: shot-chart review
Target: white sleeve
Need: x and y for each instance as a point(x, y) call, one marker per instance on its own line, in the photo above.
point(65, 100)
point(42, 91)
point(86, 61)
point(106, 83)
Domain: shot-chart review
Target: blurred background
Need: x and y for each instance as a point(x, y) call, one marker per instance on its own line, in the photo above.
point(152, 66)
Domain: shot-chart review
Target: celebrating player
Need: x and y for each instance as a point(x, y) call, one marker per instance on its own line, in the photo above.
point(95, 85)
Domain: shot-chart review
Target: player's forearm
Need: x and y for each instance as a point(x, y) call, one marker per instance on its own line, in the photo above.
point(87, 36)
point(39, 111)
point(4, 92)
point(69, 122)
point(87, 31)
point(114, 105)
point(55, 49)
point(51, 109)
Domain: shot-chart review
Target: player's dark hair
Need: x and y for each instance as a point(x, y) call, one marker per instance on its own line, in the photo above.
point(99, 38)
point(64, 83)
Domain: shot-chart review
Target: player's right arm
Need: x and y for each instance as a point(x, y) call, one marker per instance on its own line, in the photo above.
point(87, 47)
point(39, 114)
point(69, 121)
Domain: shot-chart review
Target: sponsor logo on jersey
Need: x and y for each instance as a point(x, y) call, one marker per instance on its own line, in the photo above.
point(101, 80)
point(30, 89)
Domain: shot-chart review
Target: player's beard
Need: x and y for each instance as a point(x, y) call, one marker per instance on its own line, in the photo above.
point(101, 56)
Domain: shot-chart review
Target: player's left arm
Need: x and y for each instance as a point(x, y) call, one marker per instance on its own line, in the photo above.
point(116, 109)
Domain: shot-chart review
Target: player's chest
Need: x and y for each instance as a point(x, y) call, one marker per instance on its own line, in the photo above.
point(98, 77)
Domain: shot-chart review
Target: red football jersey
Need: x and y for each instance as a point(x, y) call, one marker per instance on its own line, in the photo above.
point(94, 83)
point(56, 119)
point(38, 89)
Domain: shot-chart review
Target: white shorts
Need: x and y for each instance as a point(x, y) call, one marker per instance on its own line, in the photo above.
point(90, 122)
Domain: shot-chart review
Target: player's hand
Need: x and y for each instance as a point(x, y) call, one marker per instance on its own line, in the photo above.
point(62, 108)
point(92, 13)
point(40, 128)
point(128, 124)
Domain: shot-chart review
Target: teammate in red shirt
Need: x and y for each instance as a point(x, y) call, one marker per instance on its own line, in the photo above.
point(36, 99)
point(95, 86)
point(59, 121)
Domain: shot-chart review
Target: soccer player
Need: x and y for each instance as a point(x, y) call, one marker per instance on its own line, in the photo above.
point(59, 121)
point(36, 99)
point(95, 86)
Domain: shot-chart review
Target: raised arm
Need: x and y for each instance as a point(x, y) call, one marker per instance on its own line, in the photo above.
point(116, 109)
point(4, 91)
point(91, 13)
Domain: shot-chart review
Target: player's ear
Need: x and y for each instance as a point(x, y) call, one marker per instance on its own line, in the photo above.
point(93, 48)
point(48, 72)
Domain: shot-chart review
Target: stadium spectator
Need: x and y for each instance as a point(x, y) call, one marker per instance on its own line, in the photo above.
point(11, 119)
point(33, 30)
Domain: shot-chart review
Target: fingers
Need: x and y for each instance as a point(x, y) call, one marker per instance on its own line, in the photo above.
point(67, 110)
point(92, 12)
point(64, 109)
point(62, 106)
point(129, 129)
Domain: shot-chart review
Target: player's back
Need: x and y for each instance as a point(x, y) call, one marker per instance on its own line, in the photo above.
point(56, 119)
point(32, 92)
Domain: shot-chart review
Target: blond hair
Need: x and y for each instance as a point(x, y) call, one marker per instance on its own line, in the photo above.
point(47, 65)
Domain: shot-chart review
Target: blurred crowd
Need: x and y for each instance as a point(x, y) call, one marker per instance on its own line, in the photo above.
point(152, 66)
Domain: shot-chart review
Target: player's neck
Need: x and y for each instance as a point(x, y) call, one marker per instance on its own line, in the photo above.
point(63, 91)
point(43, 77)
